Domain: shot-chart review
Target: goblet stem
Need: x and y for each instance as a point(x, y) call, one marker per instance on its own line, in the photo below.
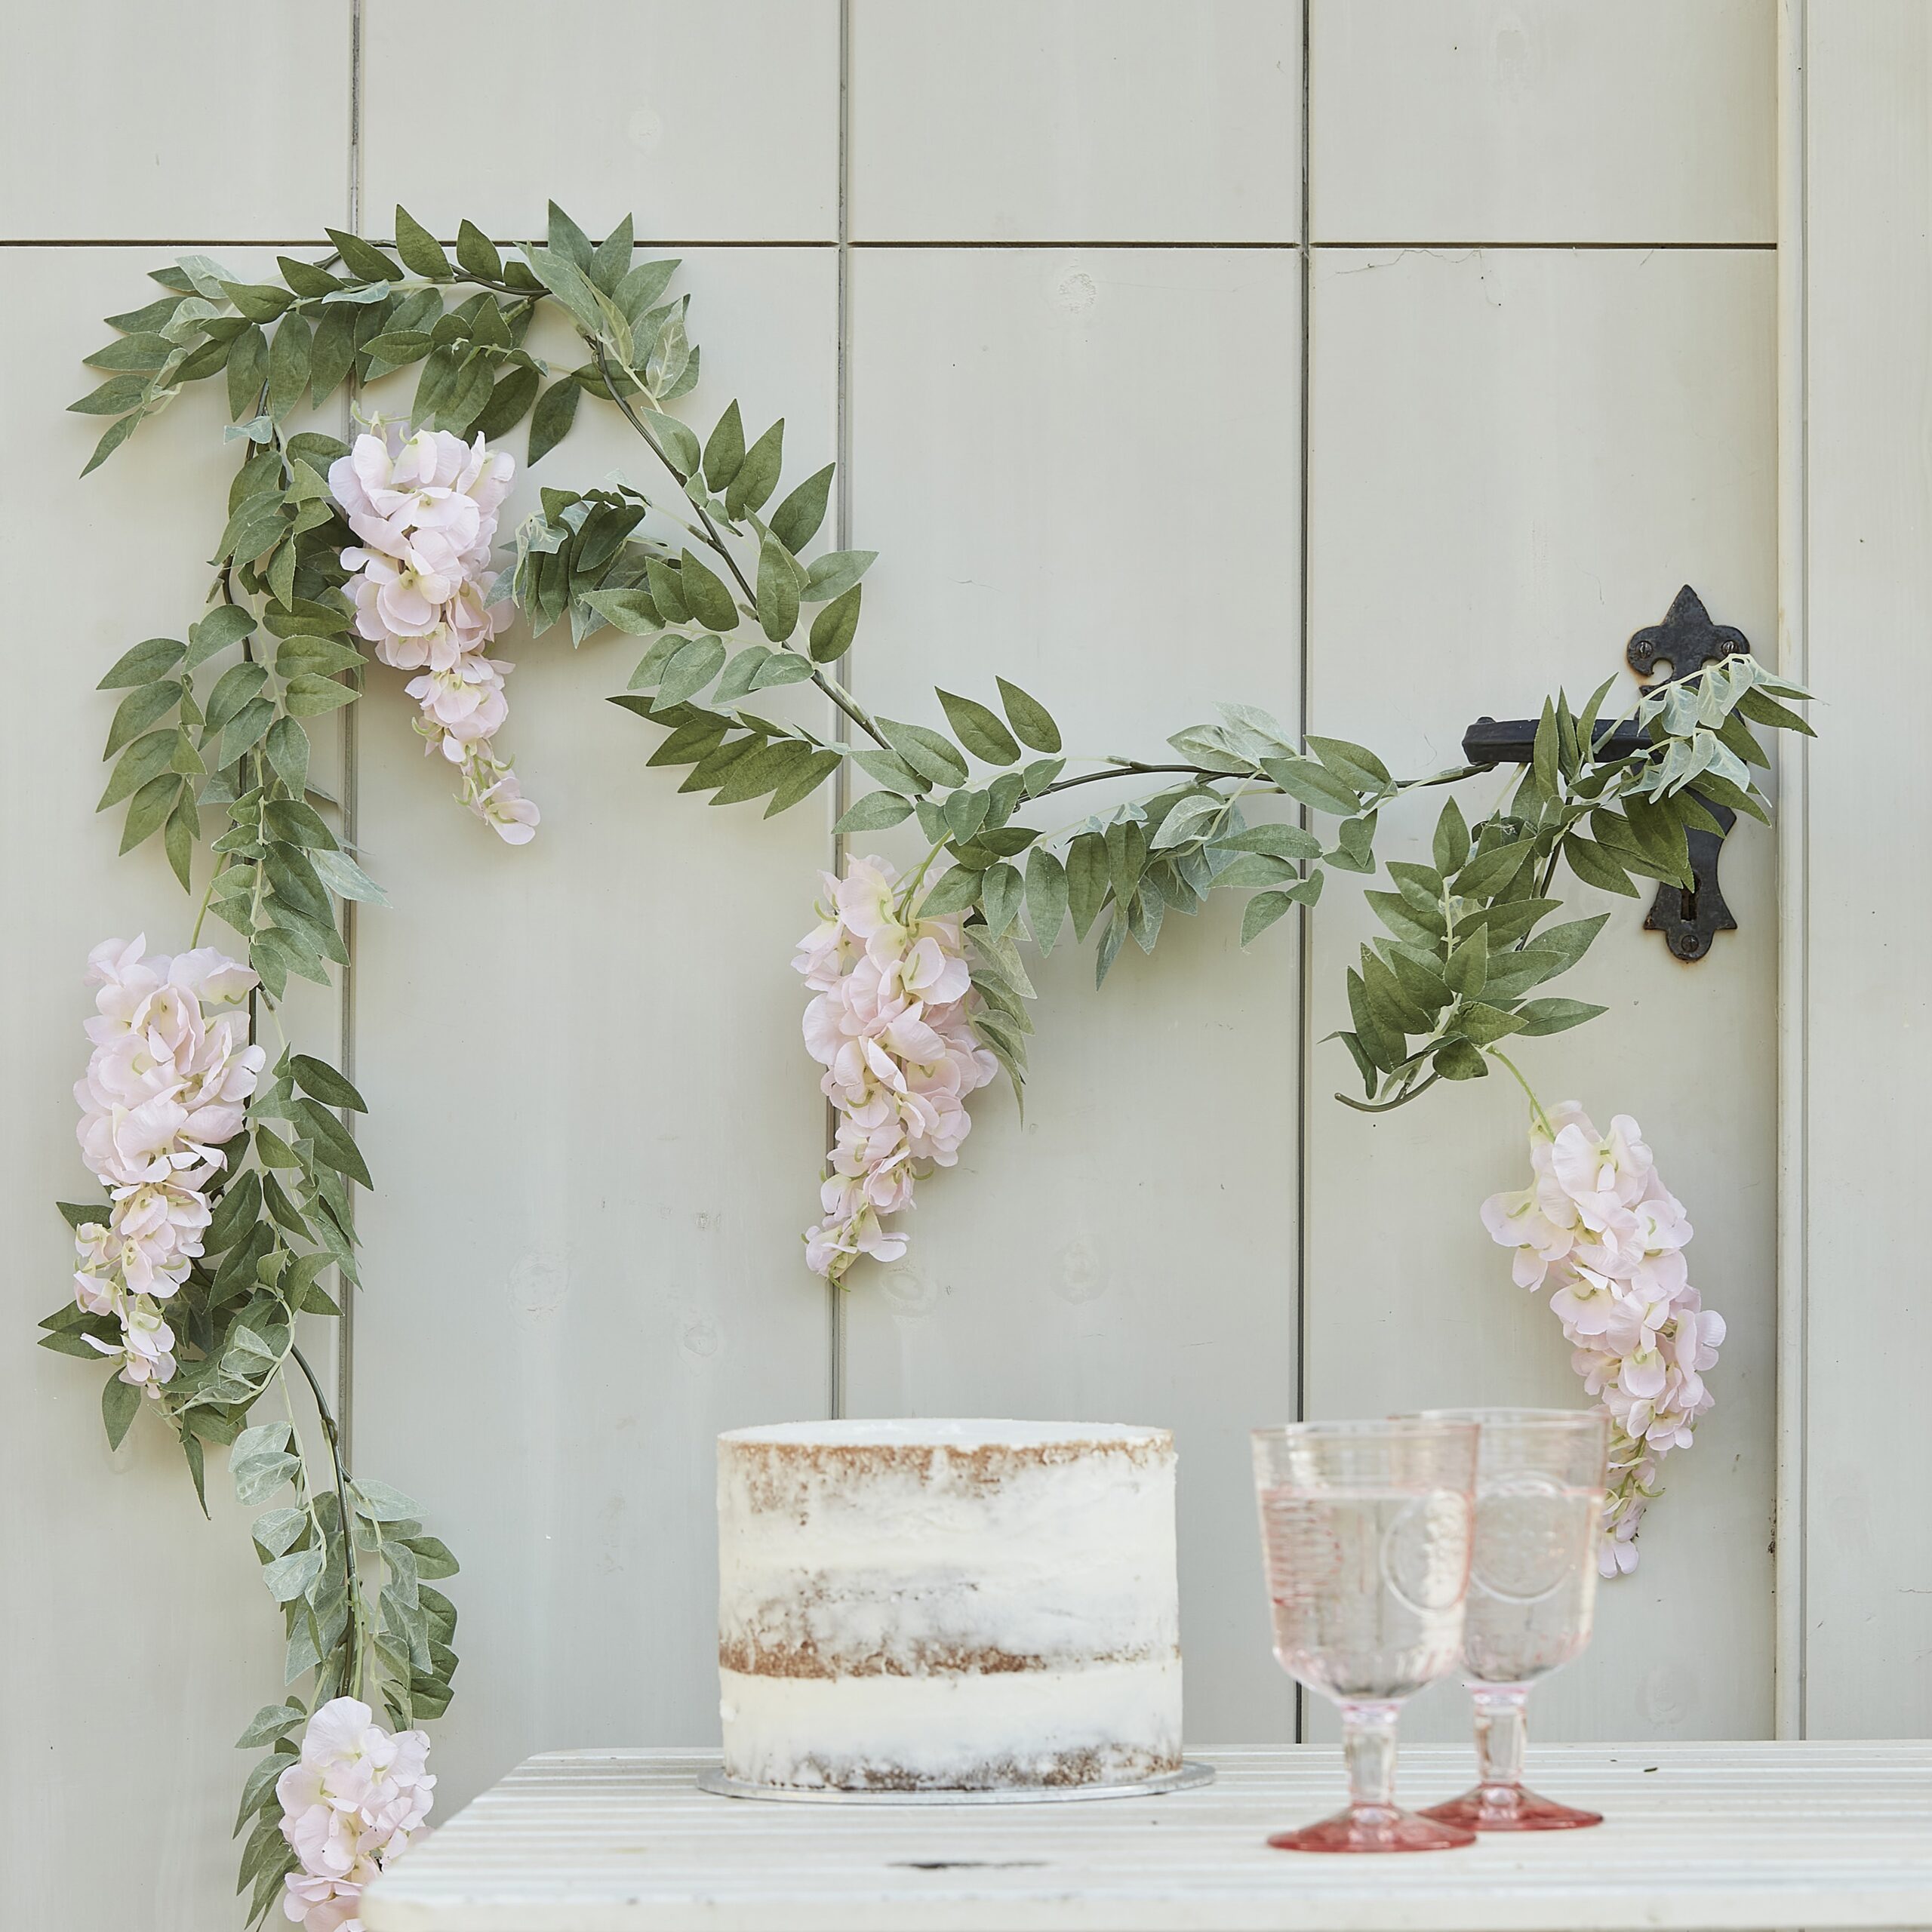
point(1368, 1750)
point(1501, 1732)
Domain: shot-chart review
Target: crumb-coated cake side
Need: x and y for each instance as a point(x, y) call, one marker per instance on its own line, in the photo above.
point(947, 1605)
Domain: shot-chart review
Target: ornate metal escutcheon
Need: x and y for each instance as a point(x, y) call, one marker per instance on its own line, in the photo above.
point(1687, 640)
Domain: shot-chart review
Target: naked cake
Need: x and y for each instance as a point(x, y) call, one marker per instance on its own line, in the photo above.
point(947, 1605)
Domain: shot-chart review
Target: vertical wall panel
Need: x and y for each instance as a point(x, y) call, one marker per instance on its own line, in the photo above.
point(713, 123)
point(227, 122)
point(1560, 121)
point(1080, 470)
point(139, 1639)
point(1867, 1579)
point(595, 1134)
point(1516, 458)
point(1089, 121)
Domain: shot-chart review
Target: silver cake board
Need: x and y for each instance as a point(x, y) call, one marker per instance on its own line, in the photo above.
point(1189, 1777)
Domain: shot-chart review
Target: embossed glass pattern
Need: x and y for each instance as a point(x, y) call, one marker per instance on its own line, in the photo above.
point(1533, 1583)
point(1366, 1529)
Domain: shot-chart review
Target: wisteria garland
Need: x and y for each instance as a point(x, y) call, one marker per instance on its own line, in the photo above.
point(336, 554)
point(1599, 1229)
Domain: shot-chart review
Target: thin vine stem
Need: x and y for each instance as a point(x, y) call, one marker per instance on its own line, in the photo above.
point(1535, 1106)
point(829, 685)
point(358, 1626)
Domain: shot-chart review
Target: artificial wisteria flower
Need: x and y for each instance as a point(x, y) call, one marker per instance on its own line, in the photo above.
point(1599, 1228)
point(166, 1085)
point(426, 509)
point(352, 1804)
point(890, 1025)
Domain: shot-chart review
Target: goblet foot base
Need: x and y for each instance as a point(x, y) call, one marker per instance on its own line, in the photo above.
point(1510, 1807)
point(1375, 1827)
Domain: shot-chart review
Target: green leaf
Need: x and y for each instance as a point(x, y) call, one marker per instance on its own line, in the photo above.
point(929, 753)
point(778, 591)
point(835, 572)
point(183, 828)
point(1001, 889)
point(1595, 866)
point(1566, 943)
point(112, 438)
point(1483, 1024)
point(381, 1504)
point(1088, 878)
point(691, 667)
point(875, 812)
point(289, 1577)
point(345, 878)
point(1457, 1059)
point(1761, 709)
point(117, 393)
point(1258, 869)
point(1555, 1016)
point(1545, 759)
point(120, 1402)
point(148, 811)
point(508, 400)
point(1282, 841)
point(1450, 847)
point(288, 366)
point(309, 697)
point(236, 688)
point(153, 659)
point(476, 254)
point(1354, 764)
point(954, 892)
point(334, 1146)
point(1467, 969)
point(724, 450)
point(139, 710)
point(270, 1722)
point(1032, 724)
point(363, 259)
point(795, 522)
point(1313, 785)
point(980, 729)
point(144, 760)
point(1261, 912)
point(317, 1077)
point(1047, 896)
point(705, 594)
point(1488, 872)
point(833, 627)
point(550, 421)
point(757, 476)
point(420, 252)
point(226, 624)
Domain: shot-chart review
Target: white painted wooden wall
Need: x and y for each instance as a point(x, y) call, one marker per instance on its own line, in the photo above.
point(1037, 272)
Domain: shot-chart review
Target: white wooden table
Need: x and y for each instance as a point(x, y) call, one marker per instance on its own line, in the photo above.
point(1696, 1836)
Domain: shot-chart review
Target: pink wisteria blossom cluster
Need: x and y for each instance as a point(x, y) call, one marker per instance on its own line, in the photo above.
point(426, 509)
point(1598, 1227)
point(167, 1084)
point(352, 1804)
point(890, 1027)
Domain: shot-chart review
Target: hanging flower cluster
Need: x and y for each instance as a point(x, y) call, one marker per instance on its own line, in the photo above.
point(426, 509)
point(352, 1804)
point(166, 1085)
point(1599, 1226)
point(890, 1027)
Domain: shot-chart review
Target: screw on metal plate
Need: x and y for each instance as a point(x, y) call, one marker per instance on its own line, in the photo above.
point(1687, 640)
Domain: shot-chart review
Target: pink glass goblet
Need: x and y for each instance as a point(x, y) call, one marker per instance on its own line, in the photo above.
point(1532, 1582)
point(1367, 1528)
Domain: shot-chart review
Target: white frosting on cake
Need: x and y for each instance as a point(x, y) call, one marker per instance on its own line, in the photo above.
point(947, 1604)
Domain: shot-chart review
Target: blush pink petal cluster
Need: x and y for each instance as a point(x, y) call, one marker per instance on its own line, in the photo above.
point(890, 1024)
point(1598, 1227)
point(426, 509)
point(352, 1804)
point(166, 1084)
